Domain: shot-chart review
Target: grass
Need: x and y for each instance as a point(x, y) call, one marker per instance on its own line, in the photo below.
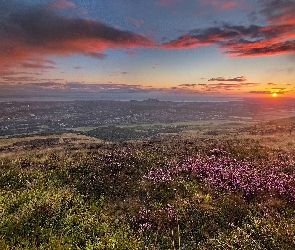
point(225, 191)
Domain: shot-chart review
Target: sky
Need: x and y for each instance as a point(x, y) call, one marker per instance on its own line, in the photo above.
point(134, 49)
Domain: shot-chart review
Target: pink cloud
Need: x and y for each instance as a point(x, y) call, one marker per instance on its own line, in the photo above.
point(229, 5)
point(222, 4)
point(61, 4)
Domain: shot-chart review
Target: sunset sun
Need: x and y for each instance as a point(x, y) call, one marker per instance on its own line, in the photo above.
point(274, 94)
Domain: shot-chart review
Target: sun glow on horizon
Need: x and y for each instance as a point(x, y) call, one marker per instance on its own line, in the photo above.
point(274, 94)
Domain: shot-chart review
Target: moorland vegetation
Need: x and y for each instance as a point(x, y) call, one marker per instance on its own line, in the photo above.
point(167, 192)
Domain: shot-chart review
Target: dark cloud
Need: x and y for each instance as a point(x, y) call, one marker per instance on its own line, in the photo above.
point(272, 90)
point(27, 30)
point(192, 85)
point(226, 86)
point(222, 79)
point(259, 92)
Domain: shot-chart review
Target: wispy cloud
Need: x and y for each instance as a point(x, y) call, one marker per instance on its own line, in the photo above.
point(266, 92)
point(119, 73)
point(222, 79)
point(135, 22)
point(278, 90)
point(130, 52)
point(168, 3)
point(221, 4)
point(188, 85)
point(226, 86)
point(96, 55)
point(61, 4)
point(37, 63)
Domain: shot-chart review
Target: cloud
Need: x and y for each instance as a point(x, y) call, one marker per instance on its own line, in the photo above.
point(278, 37)
point(213, 35)
point(37, 63)
point(259, 92)
point(130, 52)
point(228, 5)
point(280, 11)
point(226, 86)
point(188, 85)
point(29, 65)
point(135, 22)
point(14, 79)
point(61, 4)
point(49, 84)
point(27, 31)
point(246, 48)
point(96, 55)
point(215, 88)
point(20, 72)
point(119, 73)
point(280, 90)
point(222, 79)
point(221, 4)
point(168, 3)
point(273, 90)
